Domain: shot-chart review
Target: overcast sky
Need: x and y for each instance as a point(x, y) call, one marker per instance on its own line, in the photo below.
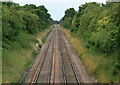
point(57, 8)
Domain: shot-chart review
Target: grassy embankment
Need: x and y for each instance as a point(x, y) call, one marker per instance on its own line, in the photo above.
point(15, 62)
point(99, 66)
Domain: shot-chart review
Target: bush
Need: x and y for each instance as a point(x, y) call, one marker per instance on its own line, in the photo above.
point(96, 24)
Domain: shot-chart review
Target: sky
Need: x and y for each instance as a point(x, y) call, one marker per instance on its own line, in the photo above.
point(57, 7)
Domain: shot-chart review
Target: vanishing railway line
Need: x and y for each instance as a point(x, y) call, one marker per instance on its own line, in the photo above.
point(55, 63)
point(36, 74)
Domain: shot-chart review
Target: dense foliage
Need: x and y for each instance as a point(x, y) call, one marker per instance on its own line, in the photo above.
point(98, 25)
point(18, 20)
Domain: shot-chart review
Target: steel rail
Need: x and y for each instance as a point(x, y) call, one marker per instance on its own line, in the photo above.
point(72, 64)
point(38, 68)
point(51, 64)
point(54, 58)
point(44, 59)
point(62, 61)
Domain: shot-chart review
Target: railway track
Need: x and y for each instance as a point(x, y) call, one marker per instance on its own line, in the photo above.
point(45, 73)
point(54, 63)
point(38, 69)
point(77, 78)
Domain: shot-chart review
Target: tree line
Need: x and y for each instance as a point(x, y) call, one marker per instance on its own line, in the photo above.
point(96, 23)
point(17, 20)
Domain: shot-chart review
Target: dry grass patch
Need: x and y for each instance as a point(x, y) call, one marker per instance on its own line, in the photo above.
point(40, 36)
point(89, 60)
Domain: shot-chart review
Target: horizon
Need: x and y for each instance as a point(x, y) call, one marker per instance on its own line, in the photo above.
point(57, 8)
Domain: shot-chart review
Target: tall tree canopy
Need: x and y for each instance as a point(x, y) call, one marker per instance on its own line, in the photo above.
point(18, 19)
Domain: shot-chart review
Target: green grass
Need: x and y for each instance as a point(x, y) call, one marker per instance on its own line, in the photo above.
point(44, 38)
point(14, 64)
point(18, 55)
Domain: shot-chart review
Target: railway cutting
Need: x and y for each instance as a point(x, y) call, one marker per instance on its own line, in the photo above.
point(56, 63)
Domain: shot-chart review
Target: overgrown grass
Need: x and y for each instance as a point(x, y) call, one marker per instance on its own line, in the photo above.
point(103, 68)
point(19, 55)
point(44, 36)
point(14, 64)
